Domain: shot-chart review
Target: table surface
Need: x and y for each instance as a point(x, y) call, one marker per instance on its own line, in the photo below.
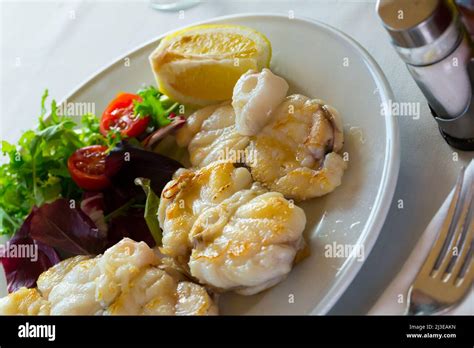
point(58, 45)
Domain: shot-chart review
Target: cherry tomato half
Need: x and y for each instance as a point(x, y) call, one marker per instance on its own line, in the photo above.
point(119, 114)
point(87, 167)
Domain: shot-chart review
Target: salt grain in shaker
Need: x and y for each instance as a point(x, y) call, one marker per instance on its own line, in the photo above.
point(430, 38)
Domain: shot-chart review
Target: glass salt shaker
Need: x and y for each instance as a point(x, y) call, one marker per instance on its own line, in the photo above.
point(431, 39)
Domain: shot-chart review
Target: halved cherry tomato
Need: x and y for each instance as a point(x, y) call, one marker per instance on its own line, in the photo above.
point(119, 114)
point(87, 167)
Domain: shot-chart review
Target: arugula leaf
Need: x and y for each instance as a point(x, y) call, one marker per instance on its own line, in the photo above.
point(151, 209)
point(155, 105)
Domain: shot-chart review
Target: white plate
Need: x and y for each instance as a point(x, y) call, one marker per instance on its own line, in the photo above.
point(318, 61)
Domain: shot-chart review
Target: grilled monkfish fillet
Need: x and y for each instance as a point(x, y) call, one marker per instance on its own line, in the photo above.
point(255, 97)
point(297, 152)
point(291, 145)
point(210, 133)
point(125, 280)
point(228, 233)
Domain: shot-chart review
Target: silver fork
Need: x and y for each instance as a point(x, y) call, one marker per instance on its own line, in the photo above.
point(448, 271)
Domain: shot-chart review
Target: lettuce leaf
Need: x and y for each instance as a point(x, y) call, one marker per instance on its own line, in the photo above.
point(151, 209)
point(155, 105)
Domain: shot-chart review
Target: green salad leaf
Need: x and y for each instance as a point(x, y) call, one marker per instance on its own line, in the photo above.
point(151, 209)
point(36, 171)
point(155, 105)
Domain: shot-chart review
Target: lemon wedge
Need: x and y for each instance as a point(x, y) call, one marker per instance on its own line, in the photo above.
point(200, 65)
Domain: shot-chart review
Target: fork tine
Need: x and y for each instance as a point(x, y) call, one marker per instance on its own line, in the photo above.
point(461, 259)
point(443, 233)
point(457, 234)
point(468, 268)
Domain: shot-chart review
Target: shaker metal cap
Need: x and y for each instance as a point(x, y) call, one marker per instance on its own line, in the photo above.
point(415, 23)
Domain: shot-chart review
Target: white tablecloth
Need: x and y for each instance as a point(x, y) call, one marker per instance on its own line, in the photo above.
point(59, 44)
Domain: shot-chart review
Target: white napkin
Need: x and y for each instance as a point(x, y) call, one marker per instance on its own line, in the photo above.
point(396, 292)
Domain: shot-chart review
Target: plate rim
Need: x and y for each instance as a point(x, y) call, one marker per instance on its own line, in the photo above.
point(391, 165)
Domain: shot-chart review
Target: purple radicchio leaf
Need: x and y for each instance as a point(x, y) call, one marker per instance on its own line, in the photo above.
point(127, 162)
point(160, 133)
point(93, 204)
point(66, 228)
point(132, 225)
point(24, 259)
